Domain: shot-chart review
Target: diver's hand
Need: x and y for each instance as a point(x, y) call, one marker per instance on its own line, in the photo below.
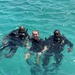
point(27, 55)
point(39, 54)
point(3, 42)
point(69, 49)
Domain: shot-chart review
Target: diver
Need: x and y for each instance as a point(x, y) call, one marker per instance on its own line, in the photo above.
point(13, 40)
point(37, 45)
point(56, 44)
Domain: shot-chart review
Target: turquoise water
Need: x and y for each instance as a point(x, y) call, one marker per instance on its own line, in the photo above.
point(42, 15)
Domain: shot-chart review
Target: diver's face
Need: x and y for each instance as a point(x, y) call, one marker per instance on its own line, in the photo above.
point(22, 30)
point(57, 33)
point(35, 35)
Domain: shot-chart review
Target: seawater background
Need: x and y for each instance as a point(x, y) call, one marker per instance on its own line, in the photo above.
point(42, 15)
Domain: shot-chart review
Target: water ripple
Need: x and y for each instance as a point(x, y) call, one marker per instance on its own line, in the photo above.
point(42, 15)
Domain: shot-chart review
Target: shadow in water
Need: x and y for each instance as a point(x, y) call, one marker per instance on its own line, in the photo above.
point(36, 70)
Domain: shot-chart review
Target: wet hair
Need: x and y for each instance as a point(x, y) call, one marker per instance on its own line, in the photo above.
point(56, 31)
point(35, 31)
point(21, 28)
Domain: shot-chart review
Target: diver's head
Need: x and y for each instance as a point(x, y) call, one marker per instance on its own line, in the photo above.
point(35, 35)
point(56, 36)
point(21, 29)
point(21, 32)
point(57, 33)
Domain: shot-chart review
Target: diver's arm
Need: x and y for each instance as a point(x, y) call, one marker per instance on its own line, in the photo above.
point(4, 39)
point(27, 44)
point(27, 39)
point(39, 54)
point(45, 48)
point(47, 44)
point(69, 44)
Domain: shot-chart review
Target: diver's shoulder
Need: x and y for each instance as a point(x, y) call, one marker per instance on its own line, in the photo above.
point(62, 36)
point(16, 30)
point(51, 37)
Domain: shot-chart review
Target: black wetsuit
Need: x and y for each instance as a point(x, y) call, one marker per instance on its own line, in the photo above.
point(56, 46)
point(37, 46)
point(15, 39)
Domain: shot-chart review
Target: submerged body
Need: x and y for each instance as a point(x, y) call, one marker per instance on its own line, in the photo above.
point(56, 45)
